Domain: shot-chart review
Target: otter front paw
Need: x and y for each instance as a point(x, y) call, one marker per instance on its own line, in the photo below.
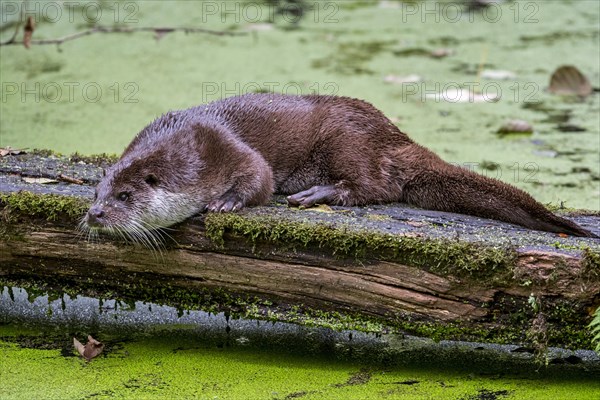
point(227, 203)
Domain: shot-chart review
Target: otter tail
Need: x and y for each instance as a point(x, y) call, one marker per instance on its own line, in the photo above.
point(445, 187)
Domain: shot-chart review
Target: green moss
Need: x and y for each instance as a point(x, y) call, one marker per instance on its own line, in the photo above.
point(45, 153)
point(562, 328)
point(254, 307)
point(561, 208)
point(490, 265)
point(439, 256)
point(591, 261)
point(565, 328)
point(212, 301)
point(378, 217)
point(49, 207)
point(515, 321)
point(96, 159)
point(306, 316)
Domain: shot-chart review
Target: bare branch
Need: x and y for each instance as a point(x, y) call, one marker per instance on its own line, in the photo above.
point(159, 31)
point(13, 39)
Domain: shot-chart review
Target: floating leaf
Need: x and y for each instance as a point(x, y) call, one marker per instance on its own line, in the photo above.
point(92, 348)
point(441, 53)
point(516, 126)
point(568, 80)
point(545, 153)
point(498, 75)
point(399, 80)
point(463, 95)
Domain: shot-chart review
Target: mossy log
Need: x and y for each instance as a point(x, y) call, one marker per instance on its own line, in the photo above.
point(377, 268)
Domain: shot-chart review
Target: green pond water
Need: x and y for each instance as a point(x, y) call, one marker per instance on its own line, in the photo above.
point(156, 352)
point(92, 95)
point(182, 367)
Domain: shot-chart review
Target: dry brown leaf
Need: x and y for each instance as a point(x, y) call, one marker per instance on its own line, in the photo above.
point(92, 348)
point(9, 151)
point(43, 181)
point(416, 224)
point(568, 80)
point(28, 32)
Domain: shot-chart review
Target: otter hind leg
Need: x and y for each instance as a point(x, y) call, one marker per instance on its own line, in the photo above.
point(327, 194)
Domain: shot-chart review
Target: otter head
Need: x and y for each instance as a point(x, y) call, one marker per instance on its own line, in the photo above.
point(141, 194)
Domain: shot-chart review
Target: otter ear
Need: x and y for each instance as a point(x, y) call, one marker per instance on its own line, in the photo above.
point(151, 180)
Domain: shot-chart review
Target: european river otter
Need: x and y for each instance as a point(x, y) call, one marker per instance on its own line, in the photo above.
point(237, 152)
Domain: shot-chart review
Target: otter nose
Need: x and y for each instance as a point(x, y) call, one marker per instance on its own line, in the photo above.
point(95, 215)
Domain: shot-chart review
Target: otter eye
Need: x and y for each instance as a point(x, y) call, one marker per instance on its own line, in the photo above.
point(123, 196)
point(151, 180)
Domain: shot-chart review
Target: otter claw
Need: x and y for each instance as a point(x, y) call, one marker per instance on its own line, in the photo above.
point(223, 205)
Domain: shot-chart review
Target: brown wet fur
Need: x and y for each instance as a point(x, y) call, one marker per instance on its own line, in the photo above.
point(317, 149)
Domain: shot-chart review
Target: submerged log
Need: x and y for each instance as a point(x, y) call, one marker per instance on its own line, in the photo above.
point(376, 268)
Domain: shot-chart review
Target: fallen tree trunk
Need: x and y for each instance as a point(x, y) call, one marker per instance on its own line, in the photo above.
point(377, 268)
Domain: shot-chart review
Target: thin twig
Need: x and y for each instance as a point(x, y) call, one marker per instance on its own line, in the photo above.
point(69, 179)
point(104, 29)
point(12, 40)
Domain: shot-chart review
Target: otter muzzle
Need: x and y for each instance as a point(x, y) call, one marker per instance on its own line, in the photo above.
point(95, 216)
